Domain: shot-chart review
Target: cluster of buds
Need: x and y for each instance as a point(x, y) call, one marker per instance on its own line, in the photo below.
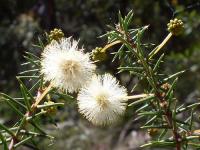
point(50, 110)
point(175, 26)
point(165, 88)
point(56, 34)
point(98, 54)
point(153, 132)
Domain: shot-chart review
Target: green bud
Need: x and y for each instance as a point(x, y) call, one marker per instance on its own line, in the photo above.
point(152, 132)
point(98, 54)
point(50, 110)
point(175, 26)
point(56, 34)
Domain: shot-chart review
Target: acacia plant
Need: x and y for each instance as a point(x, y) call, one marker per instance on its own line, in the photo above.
point(64, 69)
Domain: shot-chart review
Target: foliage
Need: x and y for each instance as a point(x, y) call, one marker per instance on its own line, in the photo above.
point(20, 30)
point(158, 108)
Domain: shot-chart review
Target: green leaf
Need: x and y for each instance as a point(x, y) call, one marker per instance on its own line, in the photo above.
point(172, 87)
point(146, 99)
point(64, 96)
point(36, 134)
point(142, 108)
point(28, 63)
point(159, 144)
point(35, 77)
point(37, 127)
point(25, 92)
point(187, 107)
point(29, 71)
point(130, 68)
point(23, 141)
point(173, 76)
point(32, 55)
point(8, 98)
point(151, 120)
point(50, 105)
point(191, 119)
point(150, 113)
point(37, 115)
point(7, 130)
point(40, 43)
point(118, 52)
point(36, 63)
point(158, 62)
point(4, 142)
point(35, 85)
point(26, 100)
point(163, 133)
point(129, 18)
point(156, 126)
point(21, 124)
point(121, 21)
point(13, 107)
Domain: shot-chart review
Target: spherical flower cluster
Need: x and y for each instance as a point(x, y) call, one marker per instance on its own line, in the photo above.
point(175, 26)
point(66, 66)
point(102, 101)
point(56, 34)
point(98, 54)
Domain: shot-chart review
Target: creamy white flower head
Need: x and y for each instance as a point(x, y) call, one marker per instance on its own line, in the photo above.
point(66, 66)
point(103, 100)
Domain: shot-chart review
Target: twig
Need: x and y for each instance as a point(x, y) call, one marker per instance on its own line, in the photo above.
point(39, 98)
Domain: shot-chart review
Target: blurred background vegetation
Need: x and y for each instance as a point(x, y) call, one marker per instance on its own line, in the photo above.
point(22, 22)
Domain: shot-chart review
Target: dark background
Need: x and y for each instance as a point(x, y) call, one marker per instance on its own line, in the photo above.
point(22, 22)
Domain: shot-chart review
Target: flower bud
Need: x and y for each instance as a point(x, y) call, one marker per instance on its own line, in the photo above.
point(175, 26)
point(166, 86)
point(152, 132)
point(50, 110)
point(56, 34)
point(98, 54)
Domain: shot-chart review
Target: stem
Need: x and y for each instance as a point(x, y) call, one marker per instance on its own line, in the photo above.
point(138, 96)
point(155, 86)
point(156, 50)
point(110, 45)
point(177, 137)
point(171, 122)
point(39, 98)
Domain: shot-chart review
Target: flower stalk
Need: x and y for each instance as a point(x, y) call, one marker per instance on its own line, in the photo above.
point(160, 46)
point(137, 96)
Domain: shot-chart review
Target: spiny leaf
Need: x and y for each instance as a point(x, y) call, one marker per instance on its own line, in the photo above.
point(22, 141)
point(36, 77)
point(29, 71)
point(4, 142)
point(163, 133)
point(173, 76)
point(159, 144)
point(8, 98)
point(32, 55)
point(158, 62)
point(172, 87)
point(26, 100)
point(146, 99)
point(25, 89)
point(128, 18)
point(36, 63)
point(7, 130)
point(50, 105)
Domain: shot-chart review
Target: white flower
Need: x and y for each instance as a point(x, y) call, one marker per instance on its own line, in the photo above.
point(66, 66)
point(103, 100)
